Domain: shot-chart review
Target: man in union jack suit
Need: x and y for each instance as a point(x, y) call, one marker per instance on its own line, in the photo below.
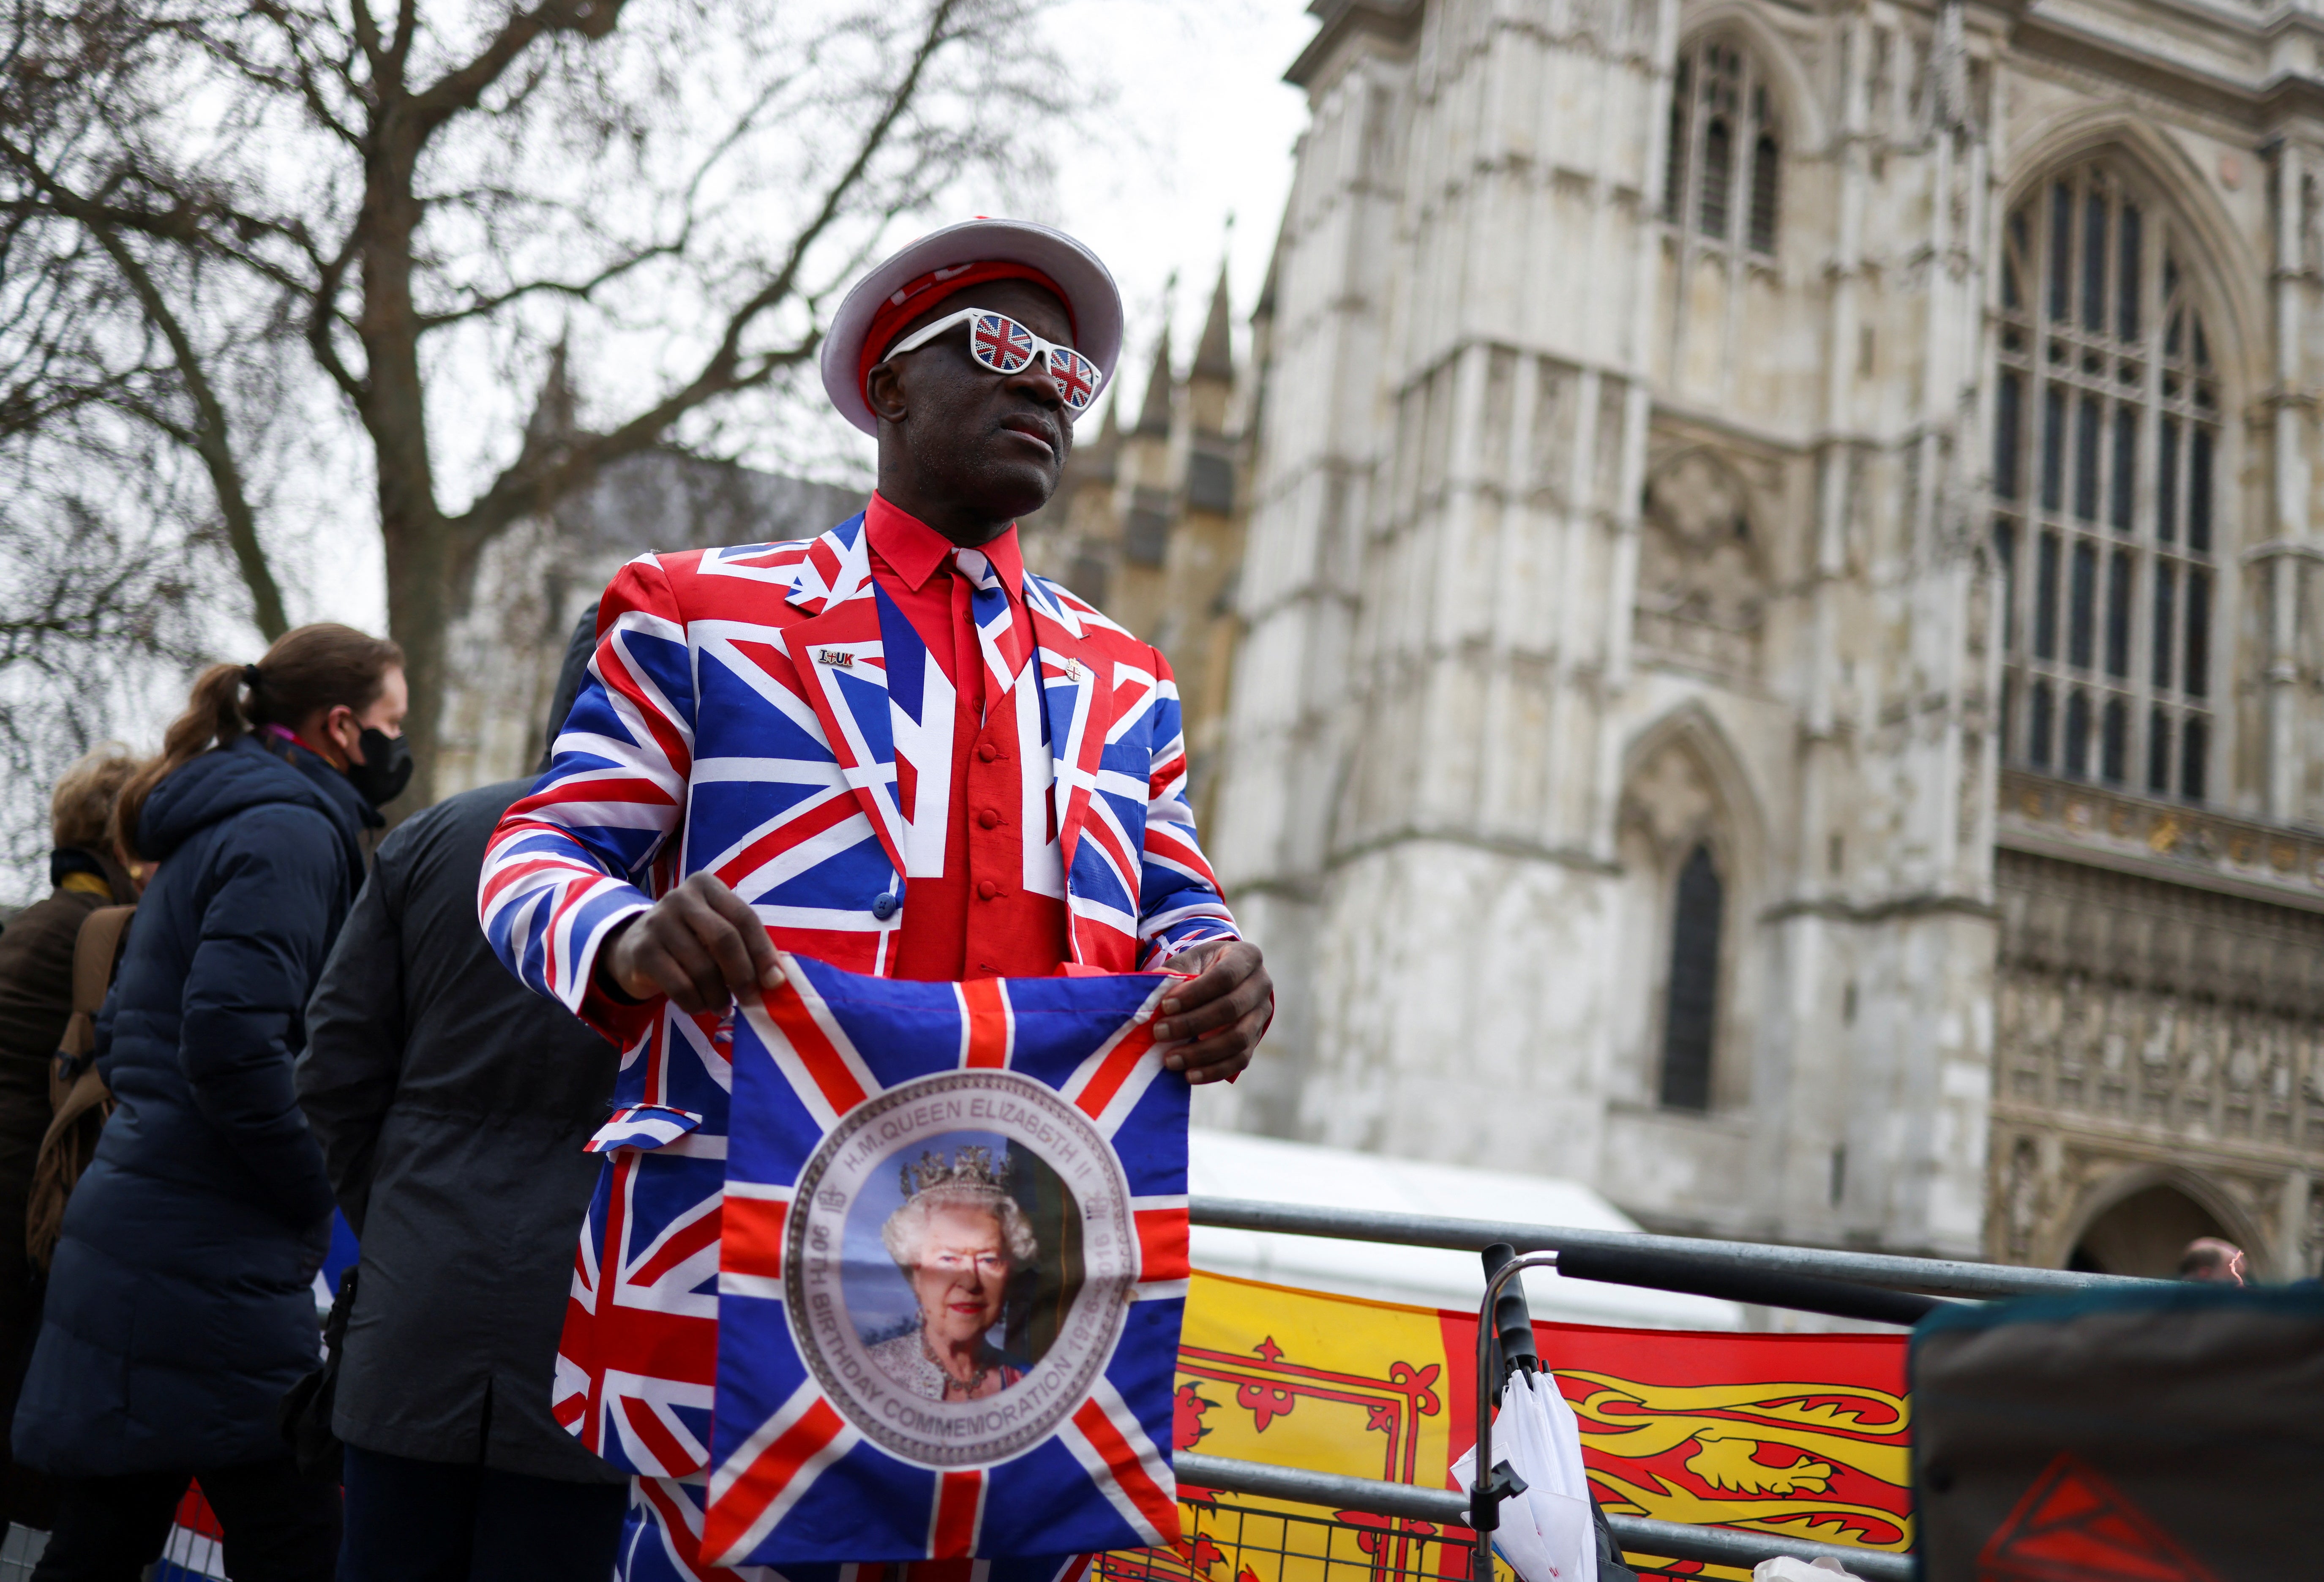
point(890, 747)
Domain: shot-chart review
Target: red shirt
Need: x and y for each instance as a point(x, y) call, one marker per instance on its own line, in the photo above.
point(976, 918)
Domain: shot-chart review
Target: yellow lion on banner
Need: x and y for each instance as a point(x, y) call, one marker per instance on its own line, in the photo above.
point(1803, 1435)
point(1731, 1428)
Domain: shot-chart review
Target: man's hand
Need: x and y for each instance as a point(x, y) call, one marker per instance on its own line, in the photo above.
point(1209, 1026)
point(699, 945)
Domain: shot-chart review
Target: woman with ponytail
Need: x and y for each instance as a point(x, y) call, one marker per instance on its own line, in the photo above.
point(181, 1305)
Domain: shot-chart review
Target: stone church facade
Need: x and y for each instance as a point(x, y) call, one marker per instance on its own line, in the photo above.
point(1781, 651)
point(537, 582)
point(1147, 522)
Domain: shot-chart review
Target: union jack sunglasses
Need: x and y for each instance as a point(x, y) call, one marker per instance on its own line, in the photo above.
point(1000, 343)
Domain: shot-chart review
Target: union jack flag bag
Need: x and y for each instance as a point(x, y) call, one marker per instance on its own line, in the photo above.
point(953, 1269)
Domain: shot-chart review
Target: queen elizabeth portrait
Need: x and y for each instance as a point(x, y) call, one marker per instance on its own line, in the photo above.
point(958, 1238)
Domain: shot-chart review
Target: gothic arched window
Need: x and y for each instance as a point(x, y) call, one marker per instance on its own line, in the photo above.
point(1724, 163)
point(2105, 450)
point(1690, 999)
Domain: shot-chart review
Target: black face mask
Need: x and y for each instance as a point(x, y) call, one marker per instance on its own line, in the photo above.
point(386, 769)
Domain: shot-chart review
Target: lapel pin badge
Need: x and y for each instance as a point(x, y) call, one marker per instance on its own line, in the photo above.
point(843, 660)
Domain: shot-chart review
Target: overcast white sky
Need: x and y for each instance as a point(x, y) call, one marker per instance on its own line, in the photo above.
point(1206, 127)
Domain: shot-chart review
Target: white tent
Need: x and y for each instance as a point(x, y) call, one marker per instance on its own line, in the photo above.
point(1234, 1164)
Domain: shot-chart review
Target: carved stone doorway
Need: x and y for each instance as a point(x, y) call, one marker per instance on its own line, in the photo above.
point(2144, 1234)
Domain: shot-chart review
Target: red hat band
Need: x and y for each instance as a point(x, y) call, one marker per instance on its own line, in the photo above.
point(922, 296)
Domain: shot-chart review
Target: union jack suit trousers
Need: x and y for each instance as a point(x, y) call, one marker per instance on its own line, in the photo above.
point(764, 713)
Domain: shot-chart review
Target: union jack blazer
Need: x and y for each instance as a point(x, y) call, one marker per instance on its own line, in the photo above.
point(766, 715)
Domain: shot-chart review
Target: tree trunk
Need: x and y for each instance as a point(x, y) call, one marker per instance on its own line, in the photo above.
point(422, 550)
point(419, 604)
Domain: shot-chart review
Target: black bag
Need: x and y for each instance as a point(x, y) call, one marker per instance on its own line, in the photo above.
point(1613, 1563)
point(2157, 1433)
point(305, 1411)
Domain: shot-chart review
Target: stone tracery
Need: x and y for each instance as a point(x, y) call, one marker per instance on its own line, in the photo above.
point(1703, 589)
point(2139, 1023)
point(1723, 183)
point(2105, 477)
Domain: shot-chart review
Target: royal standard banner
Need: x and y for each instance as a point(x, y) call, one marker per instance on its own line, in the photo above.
point(953, 1268)
point(1803, 1435)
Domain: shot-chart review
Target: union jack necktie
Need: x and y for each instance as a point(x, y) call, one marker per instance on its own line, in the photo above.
point(998, 640)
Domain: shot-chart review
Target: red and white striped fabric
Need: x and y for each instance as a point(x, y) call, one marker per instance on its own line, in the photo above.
point(641, 1125)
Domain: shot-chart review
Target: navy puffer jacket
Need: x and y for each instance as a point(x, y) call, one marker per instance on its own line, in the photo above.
point(182, 1303)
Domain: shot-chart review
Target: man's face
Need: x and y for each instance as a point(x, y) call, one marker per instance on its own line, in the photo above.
point(991, 444)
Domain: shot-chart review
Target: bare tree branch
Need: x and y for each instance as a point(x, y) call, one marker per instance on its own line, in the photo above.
point(208, 435)
point(367, 37)
point(533, 482)
point(212, 228)
point(323, 317)
point(427, 196)
point(484, 307)
point(460, 89)
point(210, 441)
point(899, 100)
point(298, 79)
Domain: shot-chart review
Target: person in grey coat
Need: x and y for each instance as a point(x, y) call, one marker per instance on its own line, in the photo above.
point(452, 1105)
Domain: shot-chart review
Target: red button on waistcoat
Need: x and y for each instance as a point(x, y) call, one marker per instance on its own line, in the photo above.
point(987, 888)
point(987, 752)
point(987, 819)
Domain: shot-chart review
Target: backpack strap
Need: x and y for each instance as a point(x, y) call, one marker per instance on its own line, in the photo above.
point(88, 1094)
point(76, 1093)
point(97, 951)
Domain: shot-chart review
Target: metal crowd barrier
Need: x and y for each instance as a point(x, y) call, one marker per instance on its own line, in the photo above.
point(1244, 1543)
point(1861, 1285)
point(1676, 1540)
point(1938, 1276)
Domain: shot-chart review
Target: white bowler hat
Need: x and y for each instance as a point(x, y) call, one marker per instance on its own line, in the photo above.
point(931, 268)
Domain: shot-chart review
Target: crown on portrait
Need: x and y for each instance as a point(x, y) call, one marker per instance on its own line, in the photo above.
point(971, 1167)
